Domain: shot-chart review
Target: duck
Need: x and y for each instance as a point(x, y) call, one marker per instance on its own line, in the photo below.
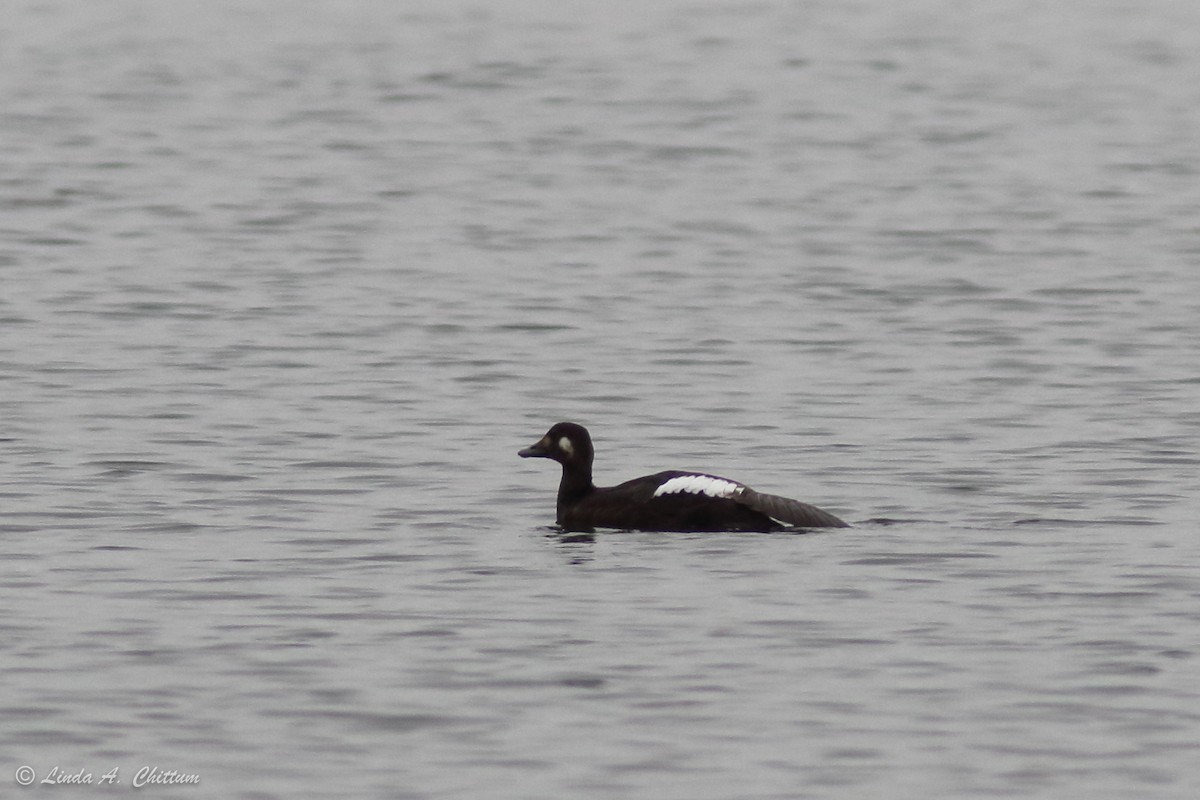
point(671, 501)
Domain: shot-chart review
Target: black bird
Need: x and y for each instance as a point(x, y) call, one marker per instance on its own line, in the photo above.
point(665, 501)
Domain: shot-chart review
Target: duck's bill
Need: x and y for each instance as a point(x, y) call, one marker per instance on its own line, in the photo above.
point(537, 450)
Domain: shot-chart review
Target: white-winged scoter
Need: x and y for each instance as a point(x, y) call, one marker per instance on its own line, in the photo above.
point(665, 501)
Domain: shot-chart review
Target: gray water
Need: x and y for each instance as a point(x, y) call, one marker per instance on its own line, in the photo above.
point(285, 286)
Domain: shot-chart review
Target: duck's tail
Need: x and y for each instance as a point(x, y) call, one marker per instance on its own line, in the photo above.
point(792, 512)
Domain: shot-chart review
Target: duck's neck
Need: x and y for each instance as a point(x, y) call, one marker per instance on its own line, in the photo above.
point(575, 485)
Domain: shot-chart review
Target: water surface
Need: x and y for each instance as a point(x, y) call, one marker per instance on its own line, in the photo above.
point(285, 287)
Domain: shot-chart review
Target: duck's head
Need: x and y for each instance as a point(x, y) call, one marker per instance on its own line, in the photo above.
point(566, 443)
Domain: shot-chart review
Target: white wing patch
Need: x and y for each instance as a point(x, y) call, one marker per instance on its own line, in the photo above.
point(699, 484)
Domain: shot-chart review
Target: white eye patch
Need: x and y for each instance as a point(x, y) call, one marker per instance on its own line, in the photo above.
point(699, 484)
point(565, 445)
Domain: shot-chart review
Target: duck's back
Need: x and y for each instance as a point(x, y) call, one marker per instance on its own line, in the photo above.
point(669, 501)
